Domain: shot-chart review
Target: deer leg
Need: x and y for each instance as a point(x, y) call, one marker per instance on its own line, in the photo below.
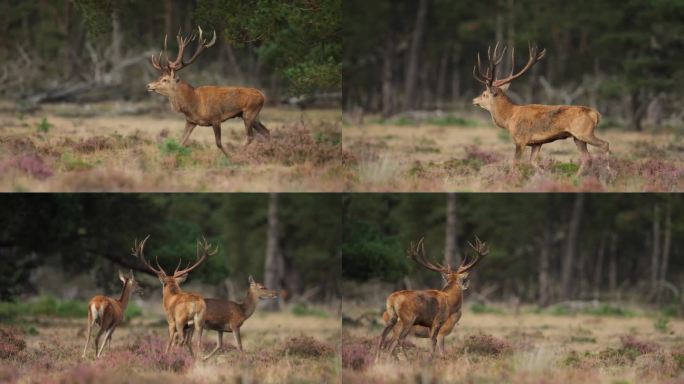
point(181, 340)
point(219, 344)
point(518, 153)
point(172, 336)
point(586, 157)
point(392, 322)
point(534, 155)
point(97, 340)
point(261, 129)
point(248, 118)
point(238, 340)
point(89, 331)
point(189, 127)
point(109, 340)
point(406, 328)
point(200, 329)
point(595, 141)
point(433, 336)
point(99, 353)
point(217, 137)
point(440, 340)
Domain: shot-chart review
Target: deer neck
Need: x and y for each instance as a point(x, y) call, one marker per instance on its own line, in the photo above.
point(249, 304)
point(502, 109)
point(125, 295)
point(168, 293)
point(184, 99)
point(454, 294)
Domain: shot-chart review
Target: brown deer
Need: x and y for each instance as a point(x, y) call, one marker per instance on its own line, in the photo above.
point(431, 308)
point(207, 106)
point(534, 125)
point(108, 313)
point(228, 316)
point(182, 308)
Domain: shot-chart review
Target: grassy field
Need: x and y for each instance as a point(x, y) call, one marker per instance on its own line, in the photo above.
point(279, 348)
point(135, 147)
point(502, 347)
point(453, 153)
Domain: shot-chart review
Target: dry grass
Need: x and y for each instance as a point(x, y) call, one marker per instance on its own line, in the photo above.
point(524, 348)
point(97, 148)
point(478, 157)
point(279, 348)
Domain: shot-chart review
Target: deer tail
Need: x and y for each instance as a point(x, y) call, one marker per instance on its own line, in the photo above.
point(96, 313)
point(596, 116)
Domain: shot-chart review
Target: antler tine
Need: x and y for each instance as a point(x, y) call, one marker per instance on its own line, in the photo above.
point(480, 249)
point(199, 259)
point(512, 61)
point(534, 57)
point(417, 254)
point(137, 251)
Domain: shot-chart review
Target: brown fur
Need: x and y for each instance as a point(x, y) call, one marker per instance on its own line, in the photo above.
point(430, 309)
point(228, 316)
point(109, 313)
point(534, 125)
point(207, 106)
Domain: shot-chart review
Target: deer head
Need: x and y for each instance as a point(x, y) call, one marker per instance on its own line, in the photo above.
point(172, 282)
point(168, 81)
point(130, 282)
point(495, 88)
point(260, 291)
point(449, 275)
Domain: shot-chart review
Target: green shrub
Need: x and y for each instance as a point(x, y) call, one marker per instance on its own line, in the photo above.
point(661, 324)
point(300, 309)
point(44, 126)
point(608, 310)
point(483, 308)
point(172, 147)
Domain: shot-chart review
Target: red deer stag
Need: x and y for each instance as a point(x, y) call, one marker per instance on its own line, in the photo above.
point(108, 313)
point(431, 308)
point(207, 105)
point(182, 308)
point(534, 124)
point(228, 316)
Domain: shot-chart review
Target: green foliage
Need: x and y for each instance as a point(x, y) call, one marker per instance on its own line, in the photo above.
point(608, 310)
point(72, 162)
point(42, 306)
point(662, 324)
point(449, 120)
point(172, 147)
point(367, 253)
point(479, 308)
point(299, 39)
point(301, 309)
point(132, 311)
point(44, 126)
point(565, 169)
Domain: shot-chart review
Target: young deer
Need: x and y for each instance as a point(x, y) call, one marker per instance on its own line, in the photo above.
point(228, 316)
point(207, 106)
point(182, 308)
point(108, 313)
point(534, 125)
point(431, 308)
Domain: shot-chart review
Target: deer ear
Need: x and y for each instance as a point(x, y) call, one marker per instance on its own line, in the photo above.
point(250, 279)
point(122, 277)
point(505, 87)
point(181, 279)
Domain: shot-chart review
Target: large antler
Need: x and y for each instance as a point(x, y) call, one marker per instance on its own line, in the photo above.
point(137, 251)
point(206, 251)
point(417, 254)
point(183, 42)
point(489, 79)
point(481, 249)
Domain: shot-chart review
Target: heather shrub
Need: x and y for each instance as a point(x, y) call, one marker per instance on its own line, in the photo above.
point(306, 346)
point(11, 342)
point(356, 356)
point(150, 352)
point(486, 345)
point(30, 164)
point(656, 364)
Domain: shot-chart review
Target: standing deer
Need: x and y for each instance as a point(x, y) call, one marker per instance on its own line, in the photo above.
point(206, 105)
point(228, 316)
point(182, 308)
point(108, 313)
point(431, 308)
point(534, 124)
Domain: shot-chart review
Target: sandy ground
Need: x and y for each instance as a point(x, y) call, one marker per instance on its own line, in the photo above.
point(478, 157)
point(133, 147)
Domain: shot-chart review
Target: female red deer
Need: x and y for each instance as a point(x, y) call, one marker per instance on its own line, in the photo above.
point(431, 308)
point(108, 313)
point(210, 105)
point(534, 125)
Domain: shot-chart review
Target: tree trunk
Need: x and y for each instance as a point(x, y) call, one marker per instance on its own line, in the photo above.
point(456, 75)
point(570, 246)
point(116, 44)
point(168, 17)
point(451, 254)
point(598, 268)
point(414, 50)
point(637, 109)
point(273, 265)
point(387, 67)
point(612, 266)
point(441, 79)
point(655, 251)
point(545, 260)
point(666, 248)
